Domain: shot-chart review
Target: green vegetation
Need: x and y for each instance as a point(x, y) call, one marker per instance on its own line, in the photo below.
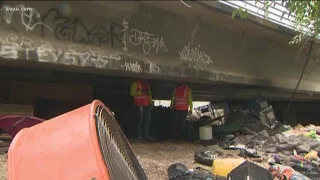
point(306, 15)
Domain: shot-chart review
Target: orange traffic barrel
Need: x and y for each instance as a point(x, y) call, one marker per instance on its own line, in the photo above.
point(83, 144)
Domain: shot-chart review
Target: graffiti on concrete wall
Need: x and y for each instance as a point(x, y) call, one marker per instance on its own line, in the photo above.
point(146, 40)
point(30, 18)
point(179, 71)
point(224, 77)
point(81, 53)
point(74, 29)
point(133, 67)
point(194, 54)
point(152, 67)
point(17, 47)
point(64, 27)
point(159, 69)
point(125, 26)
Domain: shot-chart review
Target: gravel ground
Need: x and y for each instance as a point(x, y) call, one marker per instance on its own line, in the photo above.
point(154, 157)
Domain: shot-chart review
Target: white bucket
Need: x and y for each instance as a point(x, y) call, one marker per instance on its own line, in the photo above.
point(205, 133)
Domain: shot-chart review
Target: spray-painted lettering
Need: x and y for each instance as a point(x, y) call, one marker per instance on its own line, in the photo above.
point(231, 78)
point(133, 67)
point(194, 54)
point(15, 47)
point(30, 17)
point(152, 68)
point(73, 29)
point(147, 40)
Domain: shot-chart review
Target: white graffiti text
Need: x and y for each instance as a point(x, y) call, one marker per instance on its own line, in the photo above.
point(194, 54)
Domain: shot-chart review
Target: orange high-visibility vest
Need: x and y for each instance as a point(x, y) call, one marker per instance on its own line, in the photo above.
point(143, 99)
point(181, 98)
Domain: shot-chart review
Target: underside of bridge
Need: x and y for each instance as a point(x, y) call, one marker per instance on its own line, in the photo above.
point(56, 56)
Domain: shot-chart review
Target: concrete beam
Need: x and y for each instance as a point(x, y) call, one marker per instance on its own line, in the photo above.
point(153, 39)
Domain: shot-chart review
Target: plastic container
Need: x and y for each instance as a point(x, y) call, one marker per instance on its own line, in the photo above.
point(205, 133)
point(222, 167)
point(83, 144)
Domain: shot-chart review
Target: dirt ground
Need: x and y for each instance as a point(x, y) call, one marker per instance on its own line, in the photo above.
point(3, 166)
point(154, 157)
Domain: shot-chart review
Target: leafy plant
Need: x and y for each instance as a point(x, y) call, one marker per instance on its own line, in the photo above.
point(305, 15)
point(242, 13)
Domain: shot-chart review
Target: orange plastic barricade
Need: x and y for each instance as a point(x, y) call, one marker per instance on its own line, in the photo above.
point(83, 144)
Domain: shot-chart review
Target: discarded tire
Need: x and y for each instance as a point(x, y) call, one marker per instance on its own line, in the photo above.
point(205, 157)
point(179, 171)
point(86, 143)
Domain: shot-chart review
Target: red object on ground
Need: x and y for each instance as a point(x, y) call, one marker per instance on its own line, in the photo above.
point(62, 148)
point(287, 173)
point(83, 144)
point(13, 124)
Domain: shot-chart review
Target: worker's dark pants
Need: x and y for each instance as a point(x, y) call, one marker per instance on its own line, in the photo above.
point(144, 119)
point(178, 124)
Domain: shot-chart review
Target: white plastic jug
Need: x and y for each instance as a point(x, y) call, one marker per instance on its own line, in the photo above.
point(205, 133)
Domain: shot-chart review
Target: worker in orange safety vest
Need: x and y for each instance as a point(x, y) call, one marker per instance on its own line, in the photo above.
point(141, 93)
point(180, 103)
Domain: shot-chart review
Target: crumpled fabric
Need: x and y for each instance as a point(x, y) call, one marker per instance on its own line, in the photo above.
point(281, 138)
point(277, 143)
point(294, 176)
point(178, 171)
point(303, 148)
point(261, 136)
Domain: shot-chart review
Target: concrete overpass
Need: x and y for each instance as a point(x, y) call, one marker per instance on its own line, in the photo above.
point(162, 40)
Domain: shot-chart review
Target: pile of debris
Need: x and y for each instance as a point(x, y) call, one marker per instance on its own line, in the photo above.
point(253, 143)
point(252, 148)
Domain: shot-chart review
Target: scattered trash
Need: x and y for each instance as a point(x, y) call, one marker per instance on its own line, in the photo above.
point(178, 171)
point(205, 157)
point(266, 149)
point(249, 170)
point(223, 166)
point(248, 144)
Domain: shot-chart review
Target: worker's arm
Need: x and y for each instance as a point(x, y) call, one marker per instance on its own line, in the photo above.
point(133, 89)
point(190, 99)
